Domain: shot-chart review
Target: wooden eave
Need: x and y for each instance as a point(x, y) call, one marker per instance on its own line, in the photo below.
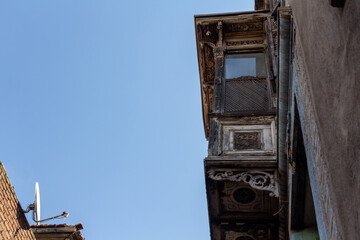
point(229, 14)
point(220, 218)
point(57, 232)
point(239, 31)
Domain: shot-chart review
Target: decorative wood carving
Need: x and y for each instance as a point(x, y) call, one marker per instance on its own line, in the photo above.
point(214, 36)
point(244, 27)
point(245, 42)
point(239, 143)
point(239, 197)
point(256, 179)
point(247, 140)
point(209, 74)
point(250, 232)
point(244, 195)
point(209, 33)
point(219, 52)
point(208, 91)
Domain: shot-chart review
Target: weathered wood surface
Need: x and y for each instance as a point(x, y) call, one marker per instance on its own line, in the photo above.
point(217, 35)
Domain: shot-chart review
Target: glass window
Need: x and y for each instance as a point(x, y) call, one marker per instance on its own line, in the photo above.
point(249, 64)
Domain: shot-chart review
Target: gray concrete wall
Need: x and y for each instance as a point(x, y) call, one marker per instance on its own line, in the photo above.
point(328, 53)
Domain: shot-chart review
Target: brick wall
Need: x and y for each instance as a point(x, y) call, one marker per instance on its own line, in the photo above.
point(13, 224)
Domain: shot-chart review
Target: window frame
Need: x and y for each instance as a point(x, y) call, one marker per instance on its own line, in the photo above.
point(267, 79)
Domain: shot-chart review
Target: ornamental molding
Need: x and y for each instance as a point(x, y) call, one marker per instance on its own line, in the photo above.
point(219, 52)
point(244, 42)
point(256, 179)
point(250, 231)
point(245, 26)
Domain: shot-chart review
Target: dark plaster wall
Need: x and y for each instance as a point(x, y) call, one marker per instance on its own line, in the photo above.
point(328, 42)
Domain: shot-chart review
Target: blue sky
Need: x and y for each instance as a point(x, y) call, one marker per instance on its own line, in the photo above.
point(100, 103)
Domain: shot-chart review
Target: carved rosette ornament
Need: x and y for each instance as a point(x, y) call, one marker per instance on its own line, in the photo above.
point(256, 179)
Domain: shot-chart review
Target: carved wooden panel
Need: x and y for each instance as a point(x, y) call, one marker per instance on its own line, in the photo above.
point(245, 43)
point(248, 231)
point(208, 32)
point(247, 140)
point(243, 27)
point(244, 195)
point(253, 202)
point(260, 180)
point(209, 74)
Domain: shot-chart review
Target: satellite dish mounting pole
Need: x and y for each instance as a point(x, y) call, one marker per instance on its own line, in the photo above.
point(35, 207)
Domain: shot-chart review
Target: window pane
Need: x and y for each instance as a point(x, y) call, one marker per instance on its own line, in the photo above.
point(250, 64)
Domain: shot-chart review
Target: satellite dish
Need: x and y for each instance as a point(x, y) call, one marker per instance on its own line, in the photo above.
point(35, 208)
point(37, 203)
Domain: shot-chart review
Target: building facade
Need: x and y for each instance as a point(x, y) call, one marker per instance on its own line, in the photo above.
point(279, 96)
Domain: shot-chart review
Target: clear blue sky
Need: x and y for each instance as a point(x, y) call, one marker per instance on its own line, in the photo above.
point(100, 103)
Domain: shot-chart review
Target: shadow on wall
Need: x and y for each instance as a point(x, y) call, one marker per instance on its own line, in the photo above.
point(306, 234)
point(21, 219)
